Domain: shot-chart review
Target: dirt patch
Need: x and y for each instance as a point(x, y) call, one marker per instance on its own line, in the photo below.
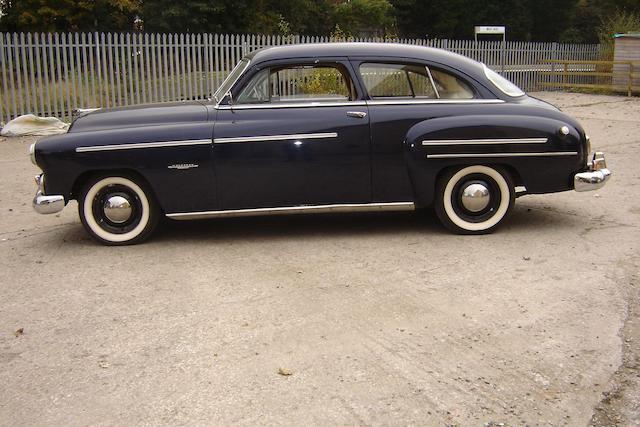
point(620, 404)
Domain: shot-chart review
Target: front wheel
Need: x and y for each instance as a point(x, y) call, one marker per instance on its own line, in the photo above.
point(116, 210)
point(474, 199)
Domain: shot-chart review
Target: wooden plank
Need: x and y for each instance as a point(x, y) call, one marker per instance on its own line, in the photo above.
point(66, 111)
point(118, 79)
point(85, 71)
point(122, 68)
point(21, 65)
point(154, 78)
point(147, 76)
point(104, 82)
point(189, 65)
point(130, 77)
point(199, 71)
point(162, 68)
point(91, 40)
point(172, 73)
point(13, 79)
point(6, 98)
point(183, 69)
point(52, 76)
point(39, 74)
point(135, 58)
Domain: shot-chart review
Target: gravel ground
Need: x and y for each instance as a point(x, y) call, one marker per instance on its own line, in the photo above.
point(352, 319)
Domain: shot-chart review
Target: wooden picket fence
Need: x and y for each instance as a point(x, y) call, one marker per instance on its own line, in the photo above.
point(53, 74)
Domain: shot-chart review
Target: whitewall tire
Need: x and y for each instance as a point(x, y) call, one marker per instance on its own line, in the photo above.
point(474, 199)
point(117, 210)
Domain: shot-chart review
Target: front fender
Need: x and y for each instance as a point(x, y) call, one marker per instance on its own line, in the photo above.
point(527, 146)
point(165, 169)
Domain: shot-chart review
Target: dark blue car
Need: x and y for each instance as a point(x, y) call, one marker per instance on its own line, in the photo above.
point(320, 128)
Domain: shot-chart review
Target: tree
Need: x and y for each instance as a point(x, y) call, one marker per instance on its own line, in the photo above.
point(68, 15)
point(238, 16)
point(373, 17)
point(524, 19)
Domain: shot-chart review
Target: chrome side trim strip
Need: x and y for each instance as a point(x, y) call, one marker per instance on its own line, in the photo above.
point(348, 207)
point(485, 141)
point(434, 101)
point(472, 155)
point(358, 103)
point(159, 144)
point(291, 105)
point(265, 138)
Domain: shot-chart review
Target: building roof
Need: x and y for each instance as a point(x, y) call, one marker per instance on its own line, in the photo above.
point(633, 35)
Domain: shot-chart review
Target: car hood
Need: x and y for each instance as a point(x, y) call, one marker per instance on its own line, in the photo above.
point(140, 115)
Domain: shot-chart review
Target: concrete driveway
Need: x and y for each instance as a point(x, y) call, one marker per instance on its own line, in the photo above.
point(372, 319)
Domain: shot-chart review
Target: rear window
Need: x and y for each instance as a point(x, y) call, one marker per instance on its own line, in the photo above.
point(501, 83)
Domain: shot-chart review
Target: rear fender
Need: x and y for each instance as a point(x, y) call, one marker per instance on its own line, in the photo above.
point(456, 140)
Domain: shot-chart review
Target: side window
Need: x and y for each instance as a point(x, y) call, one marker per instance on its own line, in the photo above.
point(412, 81)
point(257, 90)
point(450, 86)
point(397, 80)
point(299, 83)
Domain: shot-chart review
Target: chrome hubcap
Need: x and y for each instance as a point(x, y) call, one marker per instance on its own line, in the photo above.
point(475, 197)
point(117, 209)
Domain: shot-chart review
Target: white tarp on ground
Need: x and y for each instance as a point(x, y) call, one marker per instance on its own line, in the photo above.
point(30, 125)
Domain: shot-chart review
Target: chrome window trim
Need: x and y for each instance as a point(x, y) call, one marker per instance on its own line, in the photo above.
point(266, 138)
point(287, 210)
point(234, 82)
point(433, 83)
point(291, 105)
point(141, 145)
point(487, 141)
point(433, 101)
point(360, 103)
point(512, 93)
point(474, 155)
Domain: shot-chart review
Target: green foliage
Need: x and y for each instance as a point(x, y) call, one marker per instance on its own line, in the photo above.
point(578, 21)
point(374, 17)
point(68, 15)
point(324, 81)
point(619, 22)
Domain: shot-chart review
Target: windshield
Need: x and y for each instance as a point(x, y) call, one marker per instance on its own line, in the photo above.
point(501, 83)
point(231, 79)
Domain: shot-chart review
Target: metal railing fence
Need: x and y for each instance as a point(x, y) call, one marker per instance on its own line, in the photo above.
point(53, 74)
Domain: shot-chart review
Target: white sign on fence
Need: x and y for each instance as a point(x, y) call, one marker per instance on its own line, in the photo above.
point(496, 29)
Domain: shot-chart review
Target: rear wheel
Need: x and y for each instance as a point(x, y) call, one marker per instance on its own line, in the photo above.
point(117, 210)
point(474, 199)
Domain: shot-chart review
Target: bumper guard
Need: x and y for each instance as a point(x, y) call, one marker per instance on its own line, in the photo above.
point(596, 177)
point(46, 204)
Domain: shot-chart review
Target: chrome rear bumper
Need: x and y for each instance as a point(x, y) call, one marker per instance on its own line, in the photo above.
point(596, 177)
point(46, 204)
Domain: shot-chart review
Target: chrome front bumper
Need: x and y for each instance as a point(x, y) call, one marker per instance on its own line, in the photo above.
point(596, 177)
point(46, 204)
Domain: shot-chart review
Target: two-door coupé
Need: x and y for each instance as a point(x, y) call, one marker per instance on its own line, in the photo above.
point(320, 128)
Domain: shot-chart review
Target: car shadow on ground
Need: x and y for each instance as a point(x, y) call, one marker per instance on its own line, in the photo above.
point(300, 226)
point(425, 223)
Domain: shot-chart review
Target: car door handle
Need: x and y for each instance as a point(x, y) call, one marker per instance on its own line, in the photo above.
point(357, 114)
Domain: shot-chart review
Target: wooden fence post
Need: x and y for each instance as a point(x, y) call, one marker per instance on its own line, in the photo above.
point(630, 83)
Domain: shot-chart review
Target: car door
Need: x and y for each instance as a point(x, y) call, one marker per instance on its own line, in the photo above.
point(399, 95)
point(293, 134)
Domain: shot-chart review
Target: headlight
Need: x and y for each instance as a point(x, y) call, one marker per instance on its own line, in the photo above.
point(588, 145)
point(32, 153)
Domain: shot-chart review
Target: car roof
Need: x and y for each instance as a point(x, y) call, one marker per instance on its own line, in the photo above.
point(382, 50)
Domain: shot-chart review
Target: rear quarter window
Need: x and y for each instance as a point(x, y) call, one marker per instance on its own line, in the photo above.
point(384, 80)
